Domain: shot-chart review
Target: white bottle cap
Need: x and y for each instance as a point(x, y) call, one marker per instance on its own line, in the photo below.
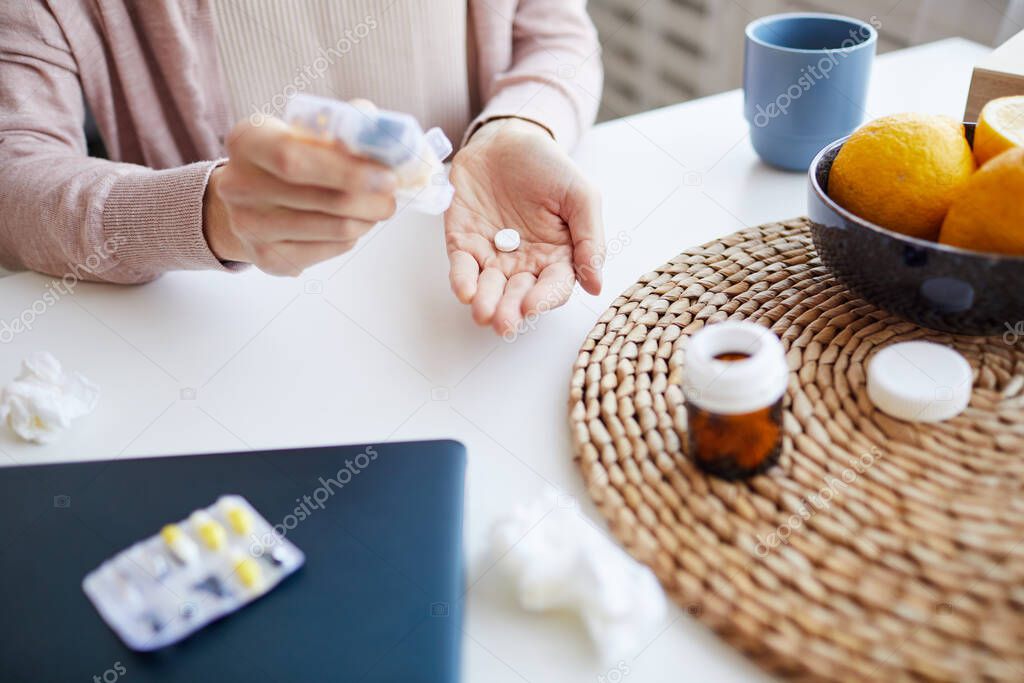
point(739, 386)
point(919, 381)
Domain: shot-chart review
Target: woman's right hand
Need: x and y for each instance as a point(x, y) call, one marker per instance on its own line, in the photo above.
point(284, 202)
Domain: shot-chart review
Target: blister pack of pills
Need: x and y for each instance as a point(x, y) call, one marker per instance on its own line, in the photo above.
point(168, 586)
point(392, 138)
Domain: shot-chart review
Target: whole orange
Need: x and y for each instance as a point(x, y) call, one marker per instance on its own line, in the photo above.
point(989, 215)
point(903, 172)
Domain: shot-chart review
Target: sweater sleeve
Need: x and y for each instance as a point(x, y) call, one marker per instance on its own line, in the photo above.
point(555, 78)
point(63, 212)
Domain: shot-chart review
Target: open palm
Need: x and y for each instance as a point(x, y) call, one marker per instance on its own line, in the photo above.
point(513, 175)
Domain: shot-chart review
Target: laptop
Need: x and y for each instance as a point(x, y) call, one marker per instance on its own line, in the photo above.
point(378, 599)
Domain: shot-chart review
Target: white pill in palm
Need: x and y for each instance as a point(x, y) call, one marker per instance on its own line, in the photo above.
point(506, 240)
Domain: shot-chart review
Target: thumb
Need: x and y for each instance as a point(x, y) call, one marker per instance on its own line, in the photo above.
point(582, 212)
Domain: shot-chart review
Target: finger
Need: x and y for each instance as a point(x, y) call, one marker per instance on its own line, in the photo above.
point(362, 206)
point(284, 225)
point(551, 291)
point(277, 149)
point(586, 226)
point(462, 235)
point(253, 186)
point(463, 275)
point(509, 314)
point(289, 259)
point(489, 289)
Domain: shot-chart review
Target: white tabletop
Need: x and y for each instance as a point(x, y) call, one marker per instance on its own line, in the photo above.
point(372, 346)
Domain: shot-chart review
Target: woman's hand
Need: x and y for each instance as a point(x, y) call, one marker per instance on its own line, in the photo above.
point(285, 202)
point(512, 174)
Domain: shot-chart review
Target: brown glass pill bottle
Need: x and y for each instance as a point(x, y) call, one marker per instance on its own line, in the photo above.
point(734, 379)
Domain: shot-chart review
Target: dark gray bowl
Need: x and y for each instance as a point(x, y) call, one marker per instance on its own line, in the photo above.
point(933, 285)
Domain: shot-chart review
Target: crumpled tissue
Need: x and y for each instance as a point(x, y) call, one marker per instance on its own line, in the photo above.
point(558, 561)
point(40, 403)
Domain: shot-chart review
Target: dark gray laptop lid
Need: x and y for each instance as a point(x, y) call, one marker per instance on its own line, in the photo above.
point(379, 599)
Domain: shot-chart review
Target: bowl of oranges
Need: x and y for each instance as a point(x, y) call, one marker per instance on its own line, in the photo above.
point(924, 216)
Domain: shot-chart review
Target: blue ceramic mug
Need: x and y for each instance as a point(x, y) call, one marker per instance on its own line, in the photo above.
point(805, 82)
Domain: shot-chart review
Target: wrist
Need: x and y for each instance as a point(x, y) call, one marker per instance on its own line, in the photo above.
point(216, 223)
point(509, 125)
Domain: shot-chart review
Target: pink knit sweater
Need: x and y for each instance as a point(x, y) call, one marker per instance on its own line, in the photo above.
point(150, 73)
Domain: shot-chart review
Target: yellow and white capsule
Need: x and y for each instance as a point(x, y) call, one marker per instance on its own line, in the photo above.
point(238, 517)
point(179, 544)
point(209, 530)
point(248, 571)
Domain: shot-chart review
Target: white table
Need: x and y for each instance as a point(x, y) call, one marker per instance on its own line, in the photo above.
point(372, 346)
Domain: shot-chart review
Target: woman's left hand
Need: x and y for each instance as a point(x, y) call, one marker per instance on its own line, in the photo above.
point(512, 174)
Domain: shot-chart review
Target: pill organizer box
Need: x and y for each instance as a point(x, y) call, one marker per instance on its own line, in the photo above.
point(391, 138)
point(193, 572)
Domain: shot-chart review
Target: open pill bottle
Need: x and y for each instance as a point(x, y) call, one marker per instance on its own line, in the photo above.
point(734, 380)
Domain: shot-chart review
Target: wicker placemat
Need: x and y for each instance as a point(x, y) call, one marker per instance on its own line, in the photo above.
point(877, 549)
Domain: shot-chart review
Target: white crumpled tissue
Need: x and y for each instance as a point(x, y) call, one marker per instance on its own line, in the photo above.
point(40, 403)
point(557, 560)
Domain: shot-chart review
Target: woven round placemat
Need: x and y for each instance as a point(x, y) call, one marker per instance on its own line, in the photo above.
point(877, 549)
